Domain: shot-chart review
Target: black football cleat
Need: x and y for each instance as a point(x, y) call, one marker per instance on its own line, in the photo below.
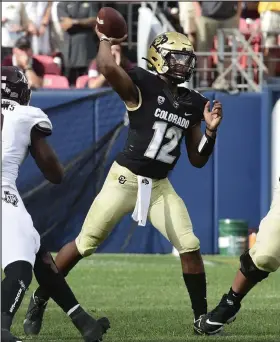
point(34, 316)
point(213, 322)
point(91, 329)
point(6, 336)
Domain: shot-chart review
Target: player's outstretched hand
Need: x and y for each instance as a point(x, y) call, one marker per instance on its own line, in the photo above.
point(214, 117)
point(113, 41)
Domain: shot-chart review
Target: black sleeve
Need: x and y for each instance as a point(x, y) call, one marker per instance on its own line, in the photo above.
point(200, 102)
point(141, 78)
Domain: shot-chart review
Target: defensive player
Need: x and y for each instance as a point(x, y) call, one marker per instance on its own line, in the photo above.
point(256, 265)
point(161, 115)
point(24, 129)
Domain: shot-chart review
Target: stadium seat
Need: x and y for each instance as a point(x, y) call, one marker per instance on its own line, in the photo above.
point(82, 81)
point(50, 67)
point(55, 82)
point(248, 27)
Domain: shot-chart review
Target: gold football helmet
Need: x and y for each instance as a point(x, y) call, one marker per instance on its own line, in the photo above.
point(172, 54)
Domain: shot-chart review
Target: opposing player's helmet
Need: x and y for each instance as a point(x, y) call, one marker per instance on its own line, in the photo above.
point(14, 85)
point(172, 54)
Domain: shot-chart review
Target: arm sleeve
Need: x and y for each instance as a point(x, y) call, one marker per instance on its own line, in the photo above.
point(135, 75)
point(33, 117)
point(141, 78)
point(137, 78)
point(200, 101)
point(41, 122)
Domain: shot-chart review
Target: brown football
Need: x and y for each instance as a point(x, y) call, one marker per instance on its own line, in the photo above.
point(111, 23)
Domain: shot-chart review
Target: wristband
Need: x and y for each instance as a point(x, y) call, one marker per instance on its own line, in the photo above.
point(206, 145)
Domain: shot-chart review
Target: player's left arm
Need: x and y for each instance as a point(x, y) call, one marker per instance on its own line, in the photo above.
point(201, 145)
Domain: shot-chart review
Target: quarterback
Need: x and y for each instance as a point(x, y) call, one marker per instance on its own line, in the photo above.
point(255, 265)
point(161, 115)
point(24, 129)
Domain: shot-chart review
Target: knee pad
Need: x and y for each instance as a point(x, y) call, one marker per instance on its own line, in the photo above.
point(20, 271)
point(250, 270)
point(188, 243)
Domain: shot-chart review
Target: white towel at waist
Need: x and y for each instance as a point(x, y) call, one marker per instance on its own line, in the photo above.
point(141, 209)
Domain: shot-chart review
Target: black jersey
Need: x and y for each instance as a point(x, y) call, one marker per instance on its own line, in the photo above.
point(157, 128)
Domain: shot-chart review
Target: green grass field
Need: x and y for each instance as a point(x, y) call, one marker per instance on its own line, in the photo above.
point(146, 301)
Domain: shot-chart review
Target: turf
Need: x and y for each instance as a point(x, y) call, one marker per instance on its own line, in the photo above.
point(146, 301)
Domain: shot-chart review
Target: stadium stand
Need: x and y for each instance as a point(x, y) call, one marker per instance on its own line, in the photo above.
point(51, 68)
point(82, 81)
point(55, 82)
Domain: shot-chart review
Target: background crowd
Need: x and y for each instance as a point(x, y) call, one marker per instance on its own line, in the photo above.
point(56, 45)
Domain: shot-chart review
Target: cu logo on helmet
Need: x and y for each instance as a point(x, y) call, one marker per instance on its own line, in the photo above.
point(160, 40)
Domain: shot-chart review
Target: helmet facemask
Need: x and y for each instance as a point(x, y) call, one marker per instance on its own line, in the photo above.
point(179, 65)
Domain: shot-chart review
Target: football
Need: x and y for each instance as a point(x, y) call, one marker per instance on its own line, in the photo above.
point(111, 23)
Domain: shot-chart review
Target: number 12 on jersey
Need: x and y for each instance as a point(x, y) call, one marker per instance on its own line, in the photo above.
point(161, 152)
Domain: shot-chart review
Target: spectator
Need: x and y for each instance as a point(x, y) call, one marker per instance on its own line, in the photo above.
point(77, 20)
point(56, 30)
point(39, 12)
point(250, 10)
point(15, 24)
point(187, 15)
point(22, 58)
point(215, 15)
point(97, 80)
point(171, 11)
point(270, 26)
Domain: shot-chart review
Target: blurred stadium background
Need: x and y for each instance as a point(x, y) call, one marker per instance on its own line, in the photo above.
point(226, 199)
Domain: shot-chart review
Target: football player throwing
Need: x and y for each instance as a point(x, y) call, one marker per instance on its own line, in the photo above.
point(161, 116)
